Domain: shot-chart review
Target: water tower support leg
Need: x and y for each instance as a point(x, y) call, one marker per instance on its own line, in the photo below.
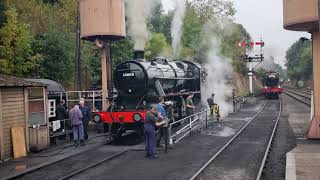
point(314, 129)
point(104, 77)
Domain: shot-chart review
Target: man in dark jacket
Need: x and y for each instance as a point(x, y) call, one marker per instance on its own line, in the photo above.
point(162, 111)
point(61, 111)
point(150, 123)
point(86, 118)
point(62, 114)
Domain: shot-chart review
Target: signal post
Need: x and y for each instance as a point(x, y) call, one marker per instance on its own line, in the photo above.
point(252, 59)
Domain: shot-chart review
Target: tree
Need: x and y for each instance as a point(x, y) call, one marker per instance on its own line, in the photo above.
point(160, 22)
point(299, 60)
point(121, 51)
point(209, 9)
point(192, 31)
point(2, 12)
point(15, 47)
point(156, 45)
point(52, 2)
point(58, 53)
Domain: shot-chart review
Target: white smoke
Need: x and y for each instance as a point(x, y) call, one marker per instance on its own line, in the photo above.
point(138, 11)
point(177, 26)
point(218, 67)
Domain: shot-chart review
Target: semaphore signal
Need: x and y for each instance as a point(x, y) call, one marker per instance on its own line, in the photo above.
point(252, 59)
point(251, 44)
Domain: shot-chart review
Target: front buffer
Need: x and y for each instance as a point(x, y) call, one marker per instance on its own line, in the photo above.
point(272, 92)
point(120, 122)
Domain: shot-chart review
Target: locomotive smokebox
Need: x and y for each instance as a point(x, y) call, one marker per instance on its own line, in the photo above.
point(138, 54)
point(102, 19)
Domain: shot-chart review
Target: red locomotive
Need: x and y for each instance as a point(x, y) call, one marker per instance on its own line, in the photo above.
point(272, 87)
point(139, 84)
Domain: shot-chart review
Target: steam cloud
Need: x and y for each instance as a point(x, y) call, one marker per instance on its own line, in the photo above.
point(138, 12)
point(218, 67)
point(177, 26)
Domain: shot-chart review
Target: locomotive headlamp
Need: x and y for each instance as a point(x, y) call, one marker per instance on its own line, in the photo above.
point(137, 117)
point(96, 118)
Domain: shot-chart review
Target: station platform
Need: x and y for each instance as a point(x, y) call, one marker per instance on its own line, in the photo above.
point(303, 163)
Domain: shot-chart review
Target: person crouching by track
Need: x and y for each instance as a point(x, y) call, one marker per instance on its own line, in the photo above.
point(151, 121)
point(162, 111)
point(75, 116)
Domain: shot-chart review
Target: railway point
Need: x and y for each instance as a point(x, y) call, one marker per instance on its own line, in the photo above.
point(159, 89)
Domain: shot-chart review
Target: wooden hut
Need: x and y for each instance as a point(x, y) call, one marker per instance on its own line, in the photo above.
point(22, 104)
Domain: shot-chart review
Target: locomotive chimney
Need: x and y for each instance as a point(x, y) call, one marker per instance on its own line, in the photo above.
point(138, 54)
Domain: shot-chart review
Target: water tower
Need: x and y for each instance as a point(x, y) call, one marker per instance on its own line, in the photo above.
point(299, 15)
point(103, 21)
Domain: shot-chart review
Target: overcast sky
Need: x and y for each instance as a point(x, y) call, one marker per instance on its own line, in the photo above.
point(263, 18)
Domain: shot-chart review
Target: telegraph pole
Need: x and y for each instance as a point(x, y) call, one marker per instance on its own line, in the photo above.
point(78, 52)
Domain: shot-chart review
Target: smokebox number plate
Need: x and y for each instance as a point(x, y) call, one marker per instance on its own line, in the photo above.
point(128, 74)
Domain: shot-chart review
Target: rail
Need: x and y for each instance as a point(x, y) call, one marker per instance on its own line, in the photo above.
point(264, 160)
point(303, 98)
point(195, 176)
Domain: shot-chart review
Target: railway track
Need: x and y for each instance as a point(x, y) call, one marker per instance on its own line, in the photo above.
point(67, 167)
point(308, 92)
point(299, 95)
point(254, 139)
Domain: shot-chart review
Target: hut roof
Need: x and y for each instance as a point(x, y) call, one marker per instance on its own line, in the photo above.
point(11, 81)
point(53, 86)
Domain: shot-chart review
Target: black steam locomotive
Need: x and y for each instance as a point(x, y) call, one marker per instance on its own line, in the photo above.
point(139, 84)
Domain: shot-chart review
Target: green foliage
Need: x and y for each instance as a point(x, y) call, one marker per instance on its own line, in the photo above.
point(41, 33)
point(58, 62)
point(15, 47)
point(2, 12)
point(192, 30)
point(52, 2)
point(155, 46)
point(209, 9)
point(229, 47)
point(161, 23)
point(121, 51)
point(299, 60)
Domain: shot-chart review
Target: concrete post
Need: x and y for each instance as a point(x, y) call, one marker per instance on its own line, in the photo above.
point(104, 69)
point(250, 78)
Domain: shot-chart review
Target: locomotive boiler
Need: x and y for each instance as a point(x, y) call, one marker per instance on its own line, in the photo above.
point(139, 84)
point(272, 87)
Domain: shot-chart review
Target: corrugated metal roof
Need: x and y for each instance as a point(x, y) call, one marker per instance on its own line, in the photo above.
point(53, 86)
point(11, 81)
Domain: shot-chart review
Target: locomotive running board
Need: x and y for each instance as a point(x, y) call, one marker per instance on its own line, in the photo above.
point(174, 78)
